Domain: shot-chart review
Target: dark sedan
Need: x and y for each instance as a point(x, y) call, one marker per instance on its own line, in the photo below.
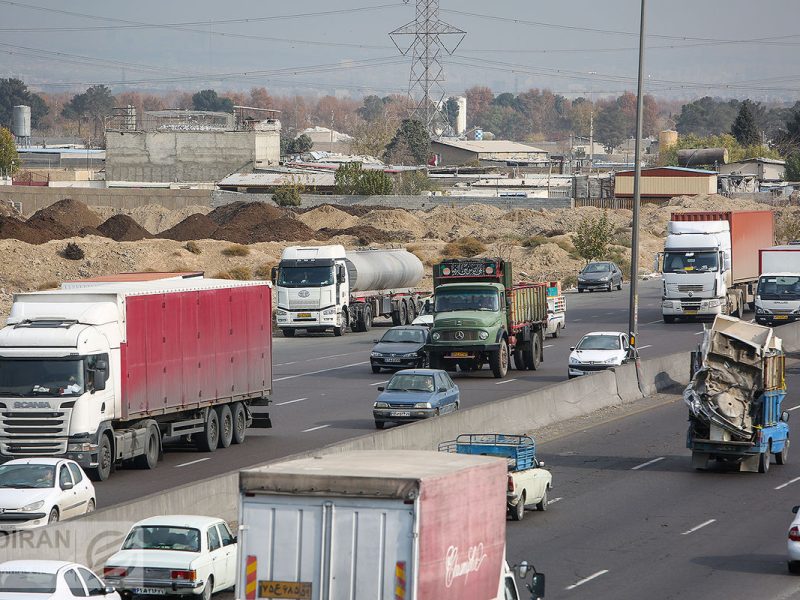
point(600, 276)
point(400, 348)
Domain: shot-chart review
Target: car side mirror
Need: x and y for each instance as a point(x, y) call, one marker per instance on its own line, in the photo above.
point(108, 590)
point(375, 341)
point(381, 388)
point(536, 586)
point(795, 509)
point(572, 348)
point(442, 389)
point(541, 463)
point(67, 485)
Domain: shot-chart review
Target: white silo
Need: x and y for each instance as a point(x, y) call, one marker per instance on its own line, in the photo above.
point(461, 119)
point(21, 121)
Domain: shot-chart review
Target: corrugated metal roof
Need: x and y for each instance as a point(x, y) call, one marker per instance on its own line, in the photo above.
point(273, 178)
point(770, 161)
point(489, 146)
point(679, 169)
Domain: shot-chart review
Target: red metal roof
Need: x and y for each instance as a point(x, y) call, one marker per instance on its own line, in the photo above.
point(144, 276)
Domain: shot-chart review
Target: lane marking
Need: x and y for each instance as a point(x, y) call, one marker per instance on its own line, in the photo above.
point(790, 482)
point(693, 529)
point(643, 347)
point(548, 346)
point(553, 501)
point(363, 362)
point(290, 402)
point(576, 320)
point(378, 382)
point(793, 408)
point(506, 381)
point(314, 428)
point(654, 322)
point(294, 362)
point(699, 332)
point(194, 462)
point(648, 463)
point(589, 578)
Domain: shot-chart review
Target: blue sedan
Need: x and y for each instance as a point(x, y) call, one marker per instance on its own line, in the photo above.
point(415, 394)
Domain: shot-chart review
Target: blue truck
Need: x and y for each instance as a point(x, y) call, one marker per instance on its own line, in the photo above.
point(735, 397)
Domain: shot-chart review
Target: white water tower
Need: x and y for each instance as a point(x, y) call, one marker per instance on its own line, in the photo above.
point(21, 122)
point(461, 119)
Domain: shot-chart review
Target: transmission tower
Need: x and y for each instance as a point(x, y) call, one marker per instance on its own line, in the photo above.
point(427, 36)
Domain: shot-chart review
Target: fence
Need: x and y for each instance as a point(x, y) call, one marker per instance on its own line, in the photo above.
point(614, 203)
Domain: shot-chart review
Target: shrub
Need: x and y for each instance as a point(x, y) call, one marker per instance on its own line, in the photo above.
point(236, 250)
point(242, 273)
point(222, 275)
point(534, 241)
point(47, 285)
point(193, 247)
point(287, 196)
point(73, 252)
point(464, 247)
point(570, 281)
point(593, 237)
point(264, 271)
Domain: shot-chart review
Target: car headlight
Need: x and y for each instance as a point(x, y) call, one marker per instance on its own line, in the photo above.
point(410, 355)
point(763, 310)
point(422, 405)
point(611, 361)
point(604, 279)
point(381, 405)
point(666, 304)
point(581, 279)
point(328, 312)
point(32, 506)
point(376, 354)
point(483, 335)
point(574, 361)
point(436, 335)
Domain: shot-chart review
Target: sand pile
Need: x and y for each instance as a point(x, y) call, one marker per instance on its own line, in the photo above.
point(63, 219)
point(328, 216)
point(397, 219)
point(193, 227)
point(123, 228)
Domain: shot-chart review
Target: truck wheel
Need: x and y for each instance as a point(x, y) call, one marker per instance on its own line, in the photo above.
point(225, 425)
point(149, 460)
point(239, 423)
point(782, 457)
point(287, 332)
point(412, 311)
point(669, 319)
point(105, 460)
point(209, 439)
point(518, 511)
point(434, 361)
point(520, 364)
point(367, 324)
point(396, 316)
point(498, 360)
point(404, 320)
point(542, 504)
point(763, 462)
point(340, 331)
point(534, 355)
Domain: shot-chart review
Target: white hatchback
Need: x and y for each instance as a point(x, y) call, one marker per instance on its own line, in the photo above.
point(50, 580)
point(598, 351)
point(38, 491)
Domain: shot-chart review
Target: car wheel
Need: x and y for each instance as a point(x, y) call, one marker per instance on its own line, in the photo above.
point(376, 369)
point(225, 425)
point(90, 506)
point(763, 462)
point(542, 504)
point(53, 517)
point(288, 332)
point(580, 291)
point(782, 457)
point(619, 285)
point(669, 319)
point(518, 511)
point(610, 286)
point(557, 332)
point(209, 589)
point(379, 424)
point(794, 567)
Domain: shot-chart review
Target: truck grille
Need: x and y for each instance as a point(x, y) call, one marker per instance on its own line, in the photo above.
point(690, 305)
point(34, 433)
point(690, 287)
point(454, 335)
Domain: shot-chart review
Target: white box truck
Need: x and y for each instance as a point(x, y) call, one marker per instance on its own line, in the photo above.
point(778, 294)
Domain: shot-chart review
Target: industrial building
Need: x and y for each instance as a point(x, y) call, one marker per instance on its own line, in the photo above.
point(662, 183)
point(182, 146)
point(462, 152)
point(765, 170)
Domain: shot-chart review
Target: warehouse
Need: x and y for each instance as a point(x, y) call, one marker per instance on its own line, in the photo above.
point(763, 169)
point(462, 152)
point(659, 184)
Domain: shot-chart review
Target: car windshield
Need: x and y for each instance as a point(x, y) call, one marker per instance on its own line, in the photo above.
point(599, 342)
point(690, 262)
point(408, 336)
point(411, 383)
point(27, 476)
point(779, 287)
point(29, 582)
point(597, 268)
point(46, 377)
point(162, 537)
point(466, 299)
point(305, 276)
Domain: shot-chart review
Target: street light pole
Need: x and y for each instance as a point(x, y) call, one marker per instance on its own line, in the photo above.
point(633, 311)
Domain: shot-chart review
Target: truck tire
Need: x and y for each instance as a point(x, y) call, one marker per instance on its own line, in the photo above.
point(208, 440)
point(520, 364)
point(367, 313)
point(105, 461)
point(498, 360)
point(518, 511)
point(412, 311)
point(763, 462)
point(534, 355)
point(149, 460)
point(782, 457)
point(225, 417)
point(288, 332)
point(340, 331)
point(404, 313)
point(542, 504)
point(239, 423)
point(434, 361)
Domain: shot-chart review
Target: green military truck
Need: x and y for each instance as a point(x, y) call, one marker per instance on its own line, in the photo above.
point(480, 316)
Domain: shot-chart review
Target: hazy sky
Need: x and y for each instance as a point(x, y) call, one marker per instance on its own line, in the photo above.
point(577, 47)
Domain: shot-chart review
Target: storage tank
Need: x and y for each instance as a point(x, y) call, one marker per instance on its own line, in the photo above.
point(372, 270)
point(461, 119)
point(693, 157)
point(667, 139)
point(21, 121)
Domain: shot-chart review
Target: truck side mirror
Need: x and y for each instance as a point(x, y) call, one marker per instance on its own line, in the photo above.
point(536, 586)
point(340, 274)
point(100, 374)
point(274, 274)
point(522, 569)
point(656, 260)
point(785, 416)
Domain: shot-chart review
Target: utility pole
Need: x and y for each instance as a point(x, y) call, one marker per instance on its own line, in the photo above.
point(591, 124)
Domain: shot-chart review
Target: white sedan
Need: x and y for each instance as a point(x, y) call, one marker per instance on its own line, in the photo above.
point(793, 543)
point(185, 555)
point(38, 491)
point(598, 351)
point(50, 580)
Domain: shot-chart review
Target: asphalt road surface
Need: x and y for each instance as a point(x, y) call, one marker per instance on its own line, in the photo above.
point(324, 389)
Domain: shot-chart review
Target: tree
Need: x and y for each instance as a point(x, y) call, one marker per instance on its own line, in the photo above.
point(372, 110)
point(744, 128)
point(9, 159)
point(302, 144)
point(451, 112)
point(14, 92)
point(479, 99)
point(707, 116)
point(789, 139)
point(413, 138)
point(209, 100)
point(593, 237)
point(793, 167)
point(95, 104)
point(352, 179)
point(610, 126)
point(371, 139)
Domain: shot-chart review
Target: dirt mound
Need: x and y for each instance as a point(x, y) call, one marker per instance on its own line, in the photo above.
point(63, 219)
point(193, 227)
point(91, 231)
point(327, 216)
point(7, 209)
point(367, 234)
point(123, 228)
point(239, 214)
point(253, 222)
point(394, 220)
point(14, 229)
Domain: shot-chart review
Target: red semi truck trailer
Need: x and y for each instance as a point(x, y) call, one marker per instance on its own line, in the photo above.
point(101, 371)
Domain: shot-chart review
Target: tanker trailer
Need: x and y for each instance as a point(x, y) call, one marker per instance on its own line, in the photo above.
point(323, 288)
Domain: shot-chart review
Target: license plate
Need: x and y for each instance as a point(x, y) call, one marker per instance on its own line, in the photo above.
point(690, 312)
point(303, 315)
point(781, 317)
point(150, 591)
point(461, 355)
point(400, 413)
point(296, 590)
point(392, 360)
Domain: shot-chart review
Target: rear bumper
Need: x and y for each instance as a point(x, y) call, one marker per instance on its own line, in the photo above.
point(181, 588)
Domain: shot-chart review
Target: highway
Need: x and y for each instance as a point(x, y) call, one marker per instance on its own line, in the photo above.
point(324, 389)
point(629, 518)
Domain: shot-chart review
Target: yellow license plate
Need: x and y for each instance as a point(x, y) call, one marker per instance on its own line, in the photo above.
point(781, 317)
point(460, 354)
point(303, 315)
point(690, 312)
point(294, 590)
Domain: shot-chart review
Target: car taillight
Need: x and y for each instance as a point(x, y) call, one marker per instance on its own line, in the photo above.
point(115, 571)
point(184, 575)
point(510, 484)
point(794, 534)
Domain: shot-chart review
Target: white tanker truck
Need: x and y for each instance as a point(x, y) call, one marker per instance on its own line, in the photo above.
point(324, 288)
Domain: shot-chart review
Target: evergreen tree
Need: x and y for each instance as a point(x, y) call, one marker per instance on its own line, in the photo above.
point(744, 128)
point(413, 139)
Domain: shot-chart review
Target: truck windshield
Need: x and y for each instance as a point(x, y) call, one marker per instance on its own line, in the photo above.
point(305, 276)
point(466, 299)
point(779, 287)
point(690, 262)
point(27, 378)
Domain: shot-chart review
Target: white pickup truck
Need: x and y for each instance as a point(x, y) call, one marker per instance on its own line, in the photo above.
point(556, 315)
point(528, 480)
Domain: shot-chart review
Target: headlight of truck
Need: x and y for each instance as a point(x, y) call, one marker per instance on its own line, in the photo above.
point(435, 336)
point(81, 447)
point(666, 304)
point(714, 303)
point(422, 405)
point(483, 335)
point(32, 506)
point(381, 405)
point(328, 312)
point(281, 313)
